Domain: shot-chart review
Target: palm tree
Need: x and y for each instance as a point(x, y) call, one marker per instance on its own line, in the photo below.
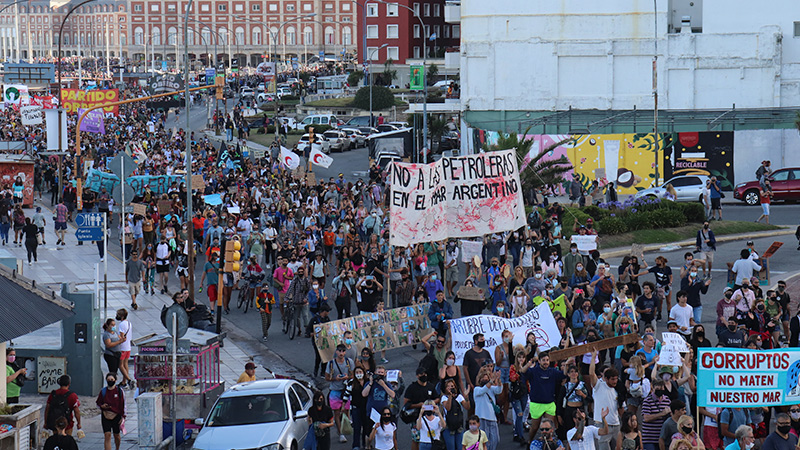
point(538, 172)
point(797, 122)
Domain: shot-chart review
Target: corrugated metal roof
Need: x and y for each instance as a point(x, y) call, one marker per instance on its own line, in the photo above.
point(24, 307)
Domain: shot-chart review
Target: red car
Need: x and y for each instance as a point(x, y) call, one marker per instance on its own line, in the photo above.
point(785, 186)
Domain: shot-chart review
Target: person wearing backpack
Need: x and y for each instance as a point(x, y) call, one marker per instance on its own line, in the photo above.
point(63, 403)
point(111, 402)
point(454, 408)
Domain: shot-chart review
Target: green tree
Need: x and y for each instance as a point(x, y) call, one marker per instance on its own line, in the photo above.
point(797, 122)
point(433, 70)
point(382, 98)
point(355, 77)
point(539, 172)
point(436, 128)
point(305, 76)
point(388, 73)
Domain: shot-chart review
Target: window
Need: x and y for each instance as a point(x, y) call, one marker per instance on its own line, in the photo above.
point(427, 31)
point(256, 7)
point(137, 8)
point(393, 53)
point(238, 7)
point(256, 36)
point(797, 29)
point(328, 6)
point(240, 36)
point(154, 7)
point(273, 6)
point(171, 8)
point(291, 36)
point(781, 175)
point(372, 10)
point(204, 8)
point(436, 10)
point(330, 36)
point(171, 36)
point(347, 36)
point(308, 36)
point(447, 31)
point(427, 9)
point(206, 36)
point(436, 32)
point(417, 53)
point(372, 32)
point(222, 7)
point(156, 38)
point(345, 6)
point(138, 36)
point(456, 31)
point(373, 53)
point(290, 7)
point(416, 31)
point(416, 9)
point(391, 10)
point(392, 31)
point(307, 7)
point(346, 19)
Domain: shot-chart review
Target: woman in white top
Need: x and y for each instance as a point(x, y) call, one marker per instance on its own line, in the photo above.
point(270, 248)
point(429, 424)
point(519, 302)
point(384, 433)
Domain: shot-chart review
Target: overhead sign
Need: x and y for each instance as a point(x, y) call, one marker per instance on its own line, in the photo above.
point(538, 321)
point(75, 99)
point(31, 115)
point(742, 378)
point(163, 83)
point(417, 78)
point(29, 73)
point(455, 197)
point(210, 74)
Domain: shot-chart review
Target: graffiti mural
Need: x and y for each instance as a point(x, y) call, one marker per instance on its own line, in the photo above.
point(707, 153)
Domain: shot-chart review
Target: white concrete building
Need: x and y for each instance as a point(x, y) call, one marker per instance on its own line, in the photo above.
point(528, 62)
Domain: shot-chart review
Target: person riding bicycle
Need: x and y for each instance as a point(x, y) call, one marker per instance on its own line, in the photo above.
point(254, 276)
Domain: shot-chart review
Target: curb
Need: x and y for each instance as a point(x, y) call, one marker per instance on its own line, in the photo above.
point(617, 252)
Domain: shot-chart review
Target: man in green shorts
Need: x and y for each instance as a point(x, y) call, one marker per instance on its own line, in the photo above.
point(543, 397)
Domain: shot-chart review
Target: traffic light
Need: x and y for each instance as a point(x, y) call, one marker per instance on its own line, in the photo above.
point(232, 256)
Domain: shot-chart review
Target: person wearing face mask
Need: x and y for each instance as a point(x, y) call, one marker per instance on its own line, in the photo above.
point(111, 402)
point(732, 336)
point(698, 339)
point(686, 431)
point(742, 439)
point(450, 371)
point(535, 285)
point(782, 438)
point(485, 395)
point(358, 408)
point(694, 287)
point(745, 298)
point(15, 376)
point(320, 417)
point(655, 411)
point(384, 434)
point(432, 285)
point(726, 307)
point(760, 324)
point(112, 339)
point(572, 259)
point(677, 410)
point(474, 438)
point(439, 313)
point(418, 394)
point(474, 359)
point(583, 318)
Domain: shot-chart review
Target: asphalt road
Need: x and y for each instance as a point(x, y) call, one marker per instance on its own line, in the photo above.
point(246, 328)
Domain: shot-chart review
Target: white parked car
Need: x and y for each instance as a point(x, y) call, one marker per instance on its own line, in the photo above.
point(247, 92)
point(318, 139)
point(357, 138)
point(689, 188)
point(340, 141)
point(264, 415)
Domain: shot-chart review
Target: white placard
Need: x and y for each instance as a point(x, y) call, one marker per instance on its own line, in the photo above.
point(675, 341)
point(48, 370)
point(586, 243)
point(469, 249)
point(31, 115)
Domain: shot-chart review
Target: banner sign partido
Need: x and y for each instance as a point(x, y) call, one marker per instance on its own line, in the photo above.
point(75, 99)
point(160, 184)
point(392, 328)
point(741, 378)
point(455, 197)
point(538, 321)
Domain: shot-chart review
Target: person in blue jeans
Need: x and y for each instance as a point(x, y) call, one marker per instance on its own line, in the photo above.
point(452, 402)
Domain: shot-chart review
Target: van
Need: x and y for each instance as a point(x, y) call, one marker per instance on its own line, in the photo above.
point(320, 119)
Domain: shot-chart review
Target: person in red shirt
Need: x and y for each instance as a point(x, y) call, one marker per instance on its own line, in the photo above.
point(766, 198)
point(55, 406)
point(111, 402)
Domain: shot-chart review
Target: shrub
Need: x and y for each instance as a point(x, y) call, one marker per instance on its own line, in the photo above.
point(611, 225)
point(287, 98)
point(670, 218)
point(640, 220)
point(596, 212)
point(694, 212)
point(318, 128)
point(355, 77)
point(382, 98)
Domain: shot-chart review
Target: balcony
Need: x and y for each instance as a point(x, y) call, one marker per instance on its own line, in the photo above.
point(452, 11)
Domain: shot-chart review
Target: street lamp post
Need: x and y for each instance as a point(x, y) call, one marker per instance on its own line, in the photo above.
point(274, 37)
point(370, 80)
point(424, 73)
point(188, 149)
point(655, 87)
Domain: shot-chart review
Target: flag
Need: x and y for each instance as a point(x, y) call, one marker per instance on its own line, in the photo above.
point(320, 159)
point(289, 158)
point(433, 37)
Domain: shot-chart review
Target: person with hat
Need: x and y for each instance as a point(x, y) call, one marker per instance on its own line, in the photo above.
point(249, 373)
point(726, 308)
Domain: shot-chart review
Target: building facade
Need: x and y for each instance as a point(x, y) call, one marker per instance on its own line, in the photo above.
point(247, 31)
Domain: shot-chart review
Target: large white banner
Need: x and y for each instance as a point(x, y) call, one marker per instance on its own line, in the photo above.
point(455, 197)
point(538, 321)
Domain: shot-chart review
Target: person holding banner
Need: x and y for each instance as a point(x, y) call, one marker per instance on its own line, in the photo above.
point(605, 397)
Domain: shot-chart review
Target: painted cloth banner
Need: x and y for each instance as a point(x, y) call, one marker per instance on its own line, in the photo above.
point(538, 321)
point(75, 99)
point(455, 197)
point(741, 378)
point(96, 180)
point(93, 122)
point(392, 328)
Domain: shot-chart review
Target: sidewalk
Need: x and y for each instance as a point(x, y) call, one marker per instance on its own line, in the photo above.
point(76, 264)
